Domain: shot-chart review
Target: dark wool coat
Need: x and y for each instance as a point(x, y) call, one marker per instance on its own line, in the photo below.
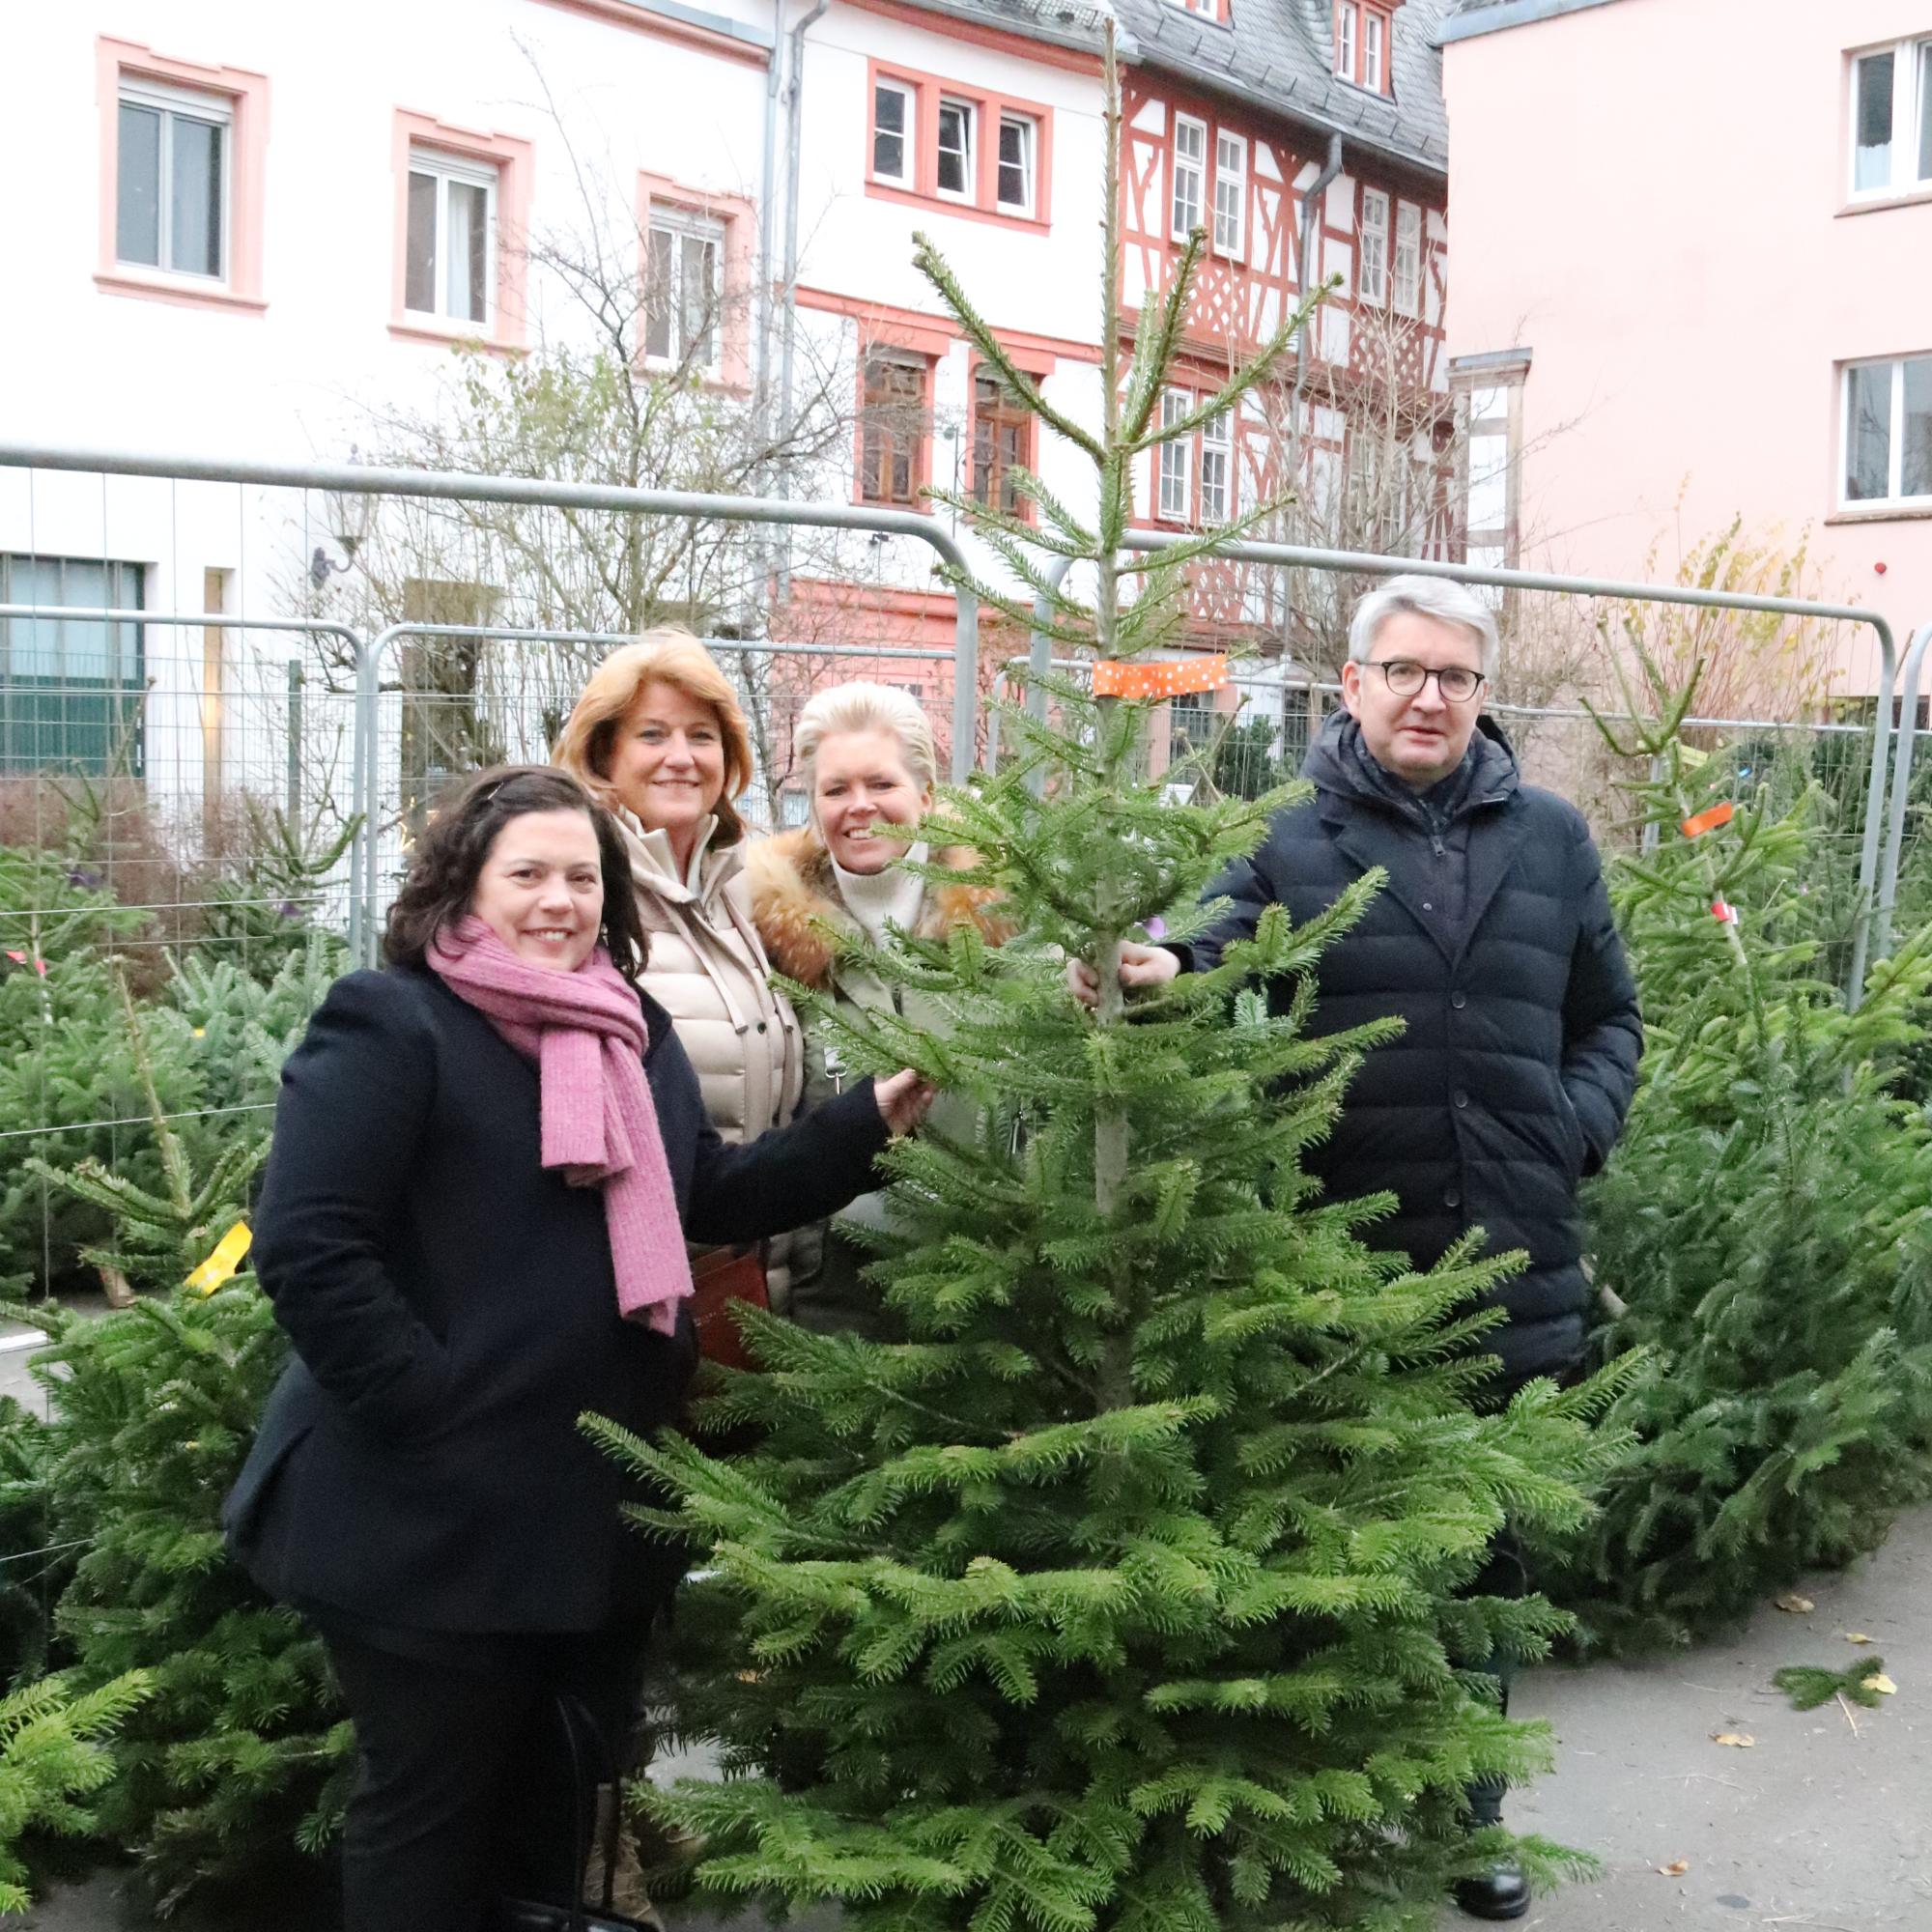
point(453, 1311)
point(1493, 942)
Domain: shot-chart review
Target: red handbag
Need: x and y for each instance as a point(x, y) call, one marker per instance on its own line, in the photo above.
point(717, 1279)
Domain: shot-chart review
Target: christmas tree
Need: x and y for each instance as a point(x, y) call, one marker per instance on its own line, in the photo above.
point(1127, 1590)
point(1766, 1228)
point(238, 1750)
point(54, 1754)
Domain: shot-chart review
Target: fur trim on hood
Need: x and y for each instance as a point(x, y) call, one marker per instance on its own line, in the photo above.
point(792, 887)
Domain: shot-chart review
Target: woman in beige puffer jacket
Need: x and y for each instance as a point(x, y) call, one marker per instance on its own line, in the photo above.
point(659, 736)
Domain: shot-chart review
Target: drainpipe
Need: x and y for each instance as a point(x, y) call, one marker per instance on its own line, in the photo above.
point(761, 382)
point(794, 118)
point(767, 188)
point(1310, 209)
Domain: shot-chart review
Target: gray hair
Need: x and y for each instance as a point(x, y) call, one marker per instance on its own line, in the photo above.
point(1437, 597)
point(867, 707)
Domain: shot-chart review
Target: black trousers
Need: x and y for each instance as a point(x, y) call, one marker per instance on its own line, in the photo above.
point(1504, 1575)
point(465, 1789)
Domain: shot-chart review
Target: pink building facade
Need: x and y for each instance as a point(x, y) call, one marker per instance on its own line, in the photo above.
point(1694, 282)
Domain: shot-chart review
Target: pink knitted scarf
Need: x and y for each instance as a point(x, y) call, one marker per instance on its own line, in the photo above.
point(584, 1031)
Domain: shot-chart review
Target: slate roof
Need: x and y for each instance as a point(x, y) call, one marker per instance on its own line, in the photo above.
point(1278, 55)
point(1274, 55)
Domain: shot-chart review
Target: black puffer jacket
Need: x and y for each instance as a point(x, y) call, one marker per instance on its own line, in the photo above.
point(1493, 942)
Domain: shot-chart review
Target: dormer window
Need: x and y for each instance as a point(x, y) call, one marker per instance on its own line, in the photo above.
point(1209, 10)
point(1364, 32)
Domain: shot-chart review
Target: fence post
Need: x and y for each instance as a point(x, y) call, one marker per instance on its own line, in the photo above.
point(293, 809)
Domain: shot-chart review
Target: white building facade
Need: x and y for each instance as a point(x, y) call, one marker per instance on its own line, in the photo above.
point(251, 237)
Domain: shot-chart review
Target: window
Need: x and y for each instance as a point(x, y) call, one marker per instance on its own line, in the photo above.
point(1217, 449)
point(1001, 433)
point(1364, 34)
point(1347, 28)
point(1231, 194)
point(1407, 257)
point(70, 689)
point(891, 426)
point(684, 289)
point(1891, 119)
point(1211, 9)
point(182, 157)
point(447, 261)
point(1374, 34)
point(171, 193)
point(1373, 276)
point(1018, 137)
point(955, 150)
point(1190, 158)
point(975, 150)
point(1888, 432)
point(1175, 458)
point(895, 132)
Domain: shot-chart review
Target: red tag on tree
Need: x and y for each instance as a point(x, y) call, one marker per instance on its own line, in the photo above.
point(1709, 821)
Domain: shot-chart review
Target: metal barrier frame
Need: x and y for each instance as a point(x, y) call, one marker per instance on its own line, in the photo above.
point(363, 937)
point(361, 480)
point(1366, 565)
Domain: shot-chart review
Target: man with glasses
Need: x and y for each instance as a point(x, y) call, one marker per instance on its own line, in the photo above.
point(1492, 942)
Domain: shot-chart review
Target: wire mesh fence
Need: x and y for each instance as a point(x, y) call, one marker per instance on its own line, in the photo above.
point(203, 814)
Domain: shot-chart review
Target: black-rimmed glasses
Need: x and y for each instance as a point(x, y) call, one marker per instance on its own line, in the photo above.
point(1403, 676)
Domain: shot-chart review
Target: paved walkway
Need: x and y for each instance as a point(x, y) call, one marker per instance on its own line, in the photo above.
point(1816, 1828)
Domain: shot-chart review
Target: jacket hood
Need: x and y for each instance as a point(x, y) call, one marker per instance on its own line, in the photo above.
point(1333, 763)
point(795, 898)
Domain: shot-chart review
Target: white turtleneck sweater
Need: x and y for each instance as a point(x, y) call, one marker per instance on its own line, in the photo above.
point(891, 895)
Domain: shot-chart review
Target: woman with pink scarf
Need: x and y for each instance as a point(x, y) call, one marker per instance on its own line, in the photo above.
point(487, 1161)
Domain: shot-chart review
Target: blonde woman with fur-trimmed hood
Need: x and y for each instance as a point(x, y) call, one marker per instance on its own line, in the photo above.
point(659, 737)
point(867, 758)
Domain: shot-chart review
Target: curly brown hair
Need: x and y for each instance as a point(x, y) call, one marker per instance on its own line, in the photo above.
point(463, 826)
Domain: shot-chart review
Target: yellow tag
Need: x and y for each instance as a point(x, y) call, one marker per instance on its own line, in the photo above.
point(224, 1261)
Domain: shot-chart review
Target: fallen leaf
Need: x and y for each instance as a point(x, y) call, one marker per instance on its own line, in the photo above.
point(1676, 1868)
point(1883, 1684)
point(1857, 1637)
point(1799, 1606)
point(1741, 1740)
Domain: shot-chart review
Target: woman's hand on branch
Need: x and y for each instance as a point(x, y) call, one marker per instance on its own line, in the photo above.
point(1141, 967)
point(902, 1099)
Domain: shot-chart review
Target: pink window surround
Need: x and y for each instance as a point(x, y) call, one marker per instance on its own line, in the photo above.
point(247, 98)
point(735, 215)
point(511, 156)
point(927, 90)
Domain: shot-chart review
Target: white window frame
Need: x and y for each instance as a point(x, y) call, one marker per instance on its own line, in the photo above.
point(686, 224)
point(908, 139)
point(444, 167)
point(1174, 479)
point(1348, 38)
point(1374, 228)
point(217, 109)
point(969, 133)
point(1892, 500)
point(1217, 450)
point(1028, 131)
point(1208, 8)
point(1910, 103)
point(1195, 166)
point(1373, 36)
point(1407, 259)
point(1231, 210)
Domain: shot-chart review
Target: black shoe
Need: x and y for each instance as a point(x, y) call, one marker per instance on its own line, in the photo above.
point(1501, 1892)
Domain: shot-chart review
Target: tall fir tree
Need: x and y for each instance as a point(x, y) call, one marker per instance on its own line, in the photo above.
point(1128, 1589)
point(1766, 1227)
